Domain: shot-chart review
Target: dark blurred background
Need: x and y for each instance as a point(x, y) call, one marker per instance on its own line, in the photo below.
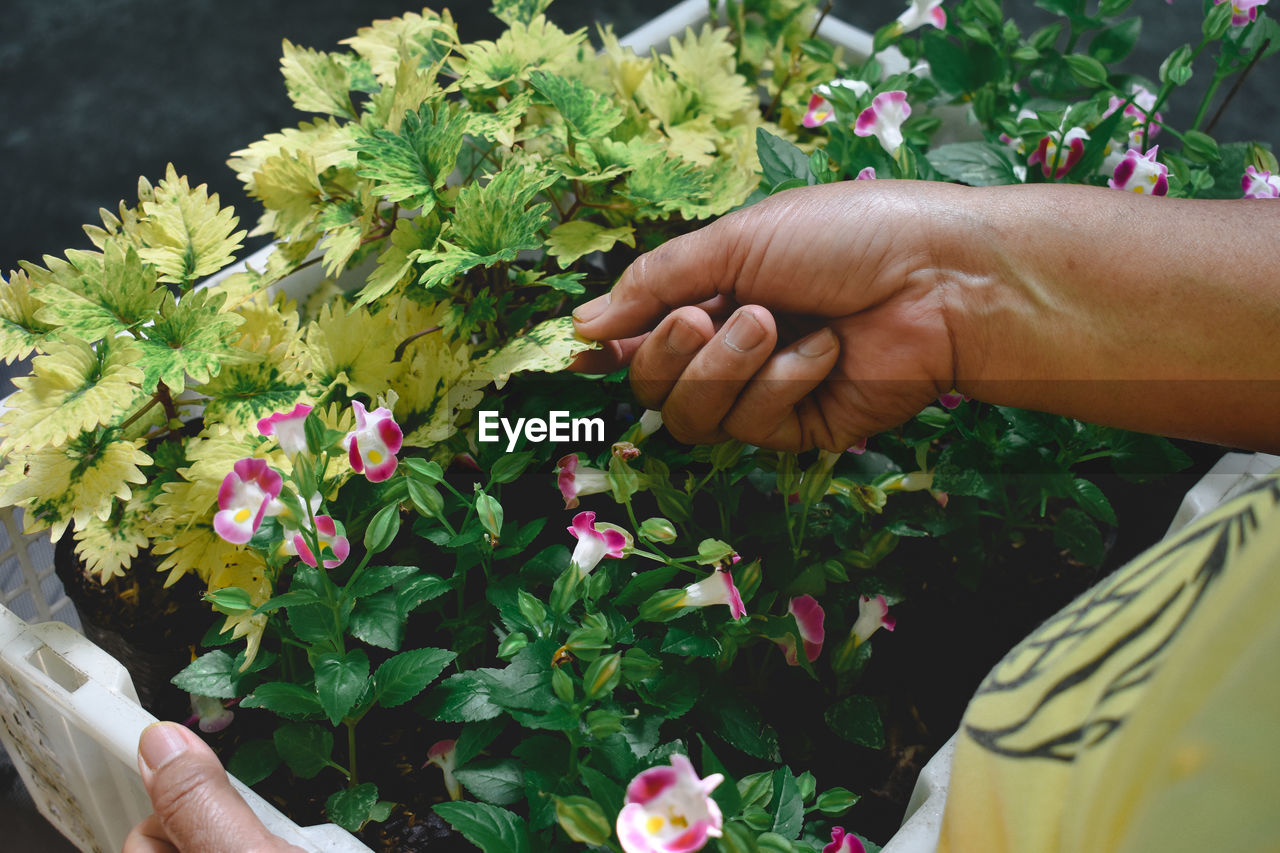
point(95, 93)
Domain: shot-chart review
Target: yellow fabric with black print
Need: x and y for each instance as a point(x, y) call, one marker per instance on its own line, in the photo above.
point(1145, 716)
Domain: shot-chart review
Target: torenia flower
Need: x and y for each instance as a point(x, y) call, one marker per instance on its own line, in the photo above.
point(1143, 101)
point(809, 617)
point(843, 842)
point(594, 542)
point(670, 810)
point(951, 399)
point(867, 174)
point(287, 428)
point(884, 118)
point(650, 422)
point(332, 542)
point(1047, 152)
point(873, 614)
point(1141, 173)
point(246, 495)
point(921, 12)
point(1262, 184)
point(210, 714)
point(574, 480)
point(820, 112)
point(373, 446)
point(717, 588)
point(443, 754)
point(1243, 11)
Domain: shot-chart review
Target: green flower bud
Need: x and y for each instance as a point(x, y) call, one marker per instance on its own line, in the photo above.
point(658, 529)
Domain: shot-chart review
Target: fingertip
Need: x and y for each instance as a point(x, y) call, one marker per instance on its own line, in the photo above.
point(162, 742)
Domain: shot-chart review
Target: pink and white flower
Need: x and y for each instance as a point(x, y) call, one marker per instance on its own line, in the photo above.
point(820, 112)
point(246, 495)
point(209, 714)
point(1256, 184)
point(334, 545)
point(373, 445)
point(873, 614)
point(575, 479)
point(1046, 153)
point(595, 542)
point(951, 399)
point(287, 428)
point(670, 810)
point(884, 118)
point(1138, 109)
point(716, 588)
point(867, 174)
point(1243, 11)
point(843, 842)
point(1141, 173)
point(444, 754)
point(921, 12)
point(809, 617)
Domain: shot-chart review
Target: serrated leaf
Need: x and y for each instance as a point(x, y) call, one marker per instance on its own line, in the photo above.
point(419, 591)
point(404, 676)
point(317, 82)
point(978, 164)
point(305, 748)
point(856, 719)
point(92, 296)
point(492, 829)
point(589, 114)
point(185, 233)
point(497, 782)
point(340, 679)
point(287, 700)
point(518, 11)
point(571, 240)
point(190, 338)
point(20, 331)
point(354, 807)
point(254, 761)
point(1093, 501)
point(376, 620)
point(1079, 534)
point(461, 698)
point(410, 237)
point(497, 220)
point(408, 167)
point(780, 160)
point(213, 674)
point(548, 347)
point(787, 806)
point(72, 389)
point(378, 578)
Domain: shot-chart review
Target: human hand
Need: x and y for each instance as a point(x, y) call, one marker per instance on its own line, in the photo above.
point(196, 809)
point(817, 317)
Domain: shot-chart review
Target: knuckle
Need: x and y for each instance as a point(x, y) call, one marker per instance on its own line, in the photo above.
point(180, 787)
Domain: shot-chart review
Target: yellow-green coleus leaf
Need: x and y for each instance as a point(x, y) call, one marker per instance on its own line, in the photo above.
point(396, 262)
point(108, 547)
point(500, 125)
point(317, 82)
point(571, 240)
point(72, 389)
point(420, 39)
point(76, 482)
point(519, 11)
point(192, 337)
point(497, 220)
point(705, 65)
point(538, 44)
point(20, 331)
point(187, 234)
point(662, 184)
point(548, 347)
point(327, 141)
point(589, 115)
point(94, 295)
point(288, 185)
point(242, 393)
point(352, 346)
point(408, 167)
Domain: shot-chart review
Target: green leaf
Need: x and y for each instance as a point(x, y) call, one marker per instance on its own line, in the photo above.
point(285, 699)
point(780, 160)
point(509, 467)
point(378, 578)
point(497, 782)
point(1093, 501)
point(305, 748)
point(725, 794)
point(590, 115)
point(340, 679)
point(213, 674)
point(314, 623)
point(20, 332)
point(787, 806)
point(419, 591)
point(492, 829)
point(519, 11)
point(548, 347)
point(571, 240)
point(1176, 68)
point(410, 166)
point(382, 530)
point(229, 600)
point(93, 295)
point(191, 338)
point(743, 728)
point(1076, 532)
point(1115, 43)
point(978, 164)
point(680, 642)
point(1086, 69)
point(254, 761)
point(857, 720)
point(377, 620)
point(496, 220)
point(354, 807)
point(461, 698)
point(404, 676)
point(834, 802)
point(583, 820)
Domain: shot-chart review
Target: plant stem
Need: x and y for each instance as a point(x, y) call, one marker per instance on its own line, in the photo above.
point(151, 404)
point(405, 343)
point(1262, 48)
point(353, 779)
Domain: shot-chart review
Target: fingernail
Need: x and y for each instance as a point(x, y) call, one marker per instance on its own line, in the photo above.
point(819, 343)
point(588, 311)
point(161, 743)
point(744, 332)
point(683, 339)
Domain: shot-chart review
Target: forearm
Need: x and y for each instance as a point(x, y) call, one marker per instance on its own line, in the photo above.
point(1160, 315)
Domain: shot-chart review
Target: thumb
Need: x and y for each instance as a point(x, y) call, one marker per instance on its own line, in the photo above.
point(194, 802)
